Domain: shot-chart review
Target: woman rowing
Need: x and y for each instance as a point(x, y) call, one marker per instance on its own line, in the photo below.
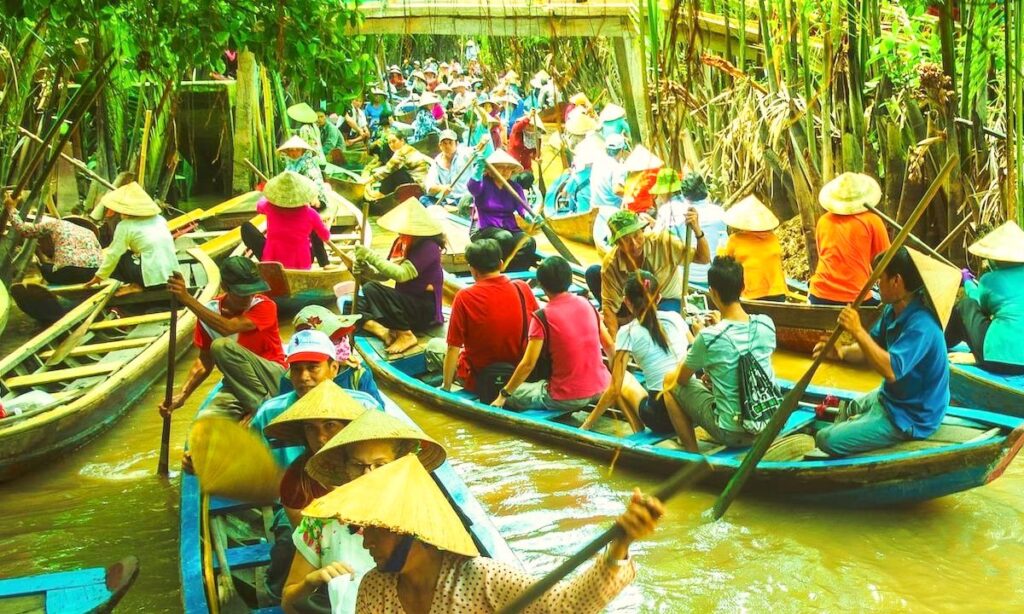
point(754, 245)
point(294, 230)
point(394, 315)
point(496, 200)
point(326, 548)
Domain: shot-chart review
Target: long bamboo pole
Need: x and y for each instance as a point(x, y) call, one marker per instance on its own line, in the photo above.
point(792, 398)
point(88, 172)
point(144, 148)
point(928, 248)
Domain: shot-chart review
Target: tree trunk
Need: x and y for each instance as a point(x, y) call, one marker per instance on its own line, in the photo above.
point(245, 108)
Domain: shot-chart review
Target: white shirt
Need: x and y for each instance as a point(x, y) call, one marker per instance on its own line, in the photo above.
point(605, 174)
point(322, 542)
point(655, 362)
point(439, 176)
point(151, 240)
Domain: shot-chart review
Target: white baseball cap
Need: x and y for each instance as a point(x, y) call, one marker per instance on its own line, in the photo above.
point(309, 346)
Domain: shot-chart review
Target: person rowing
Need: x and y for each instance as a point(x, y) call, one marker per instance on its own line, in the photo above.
point(395, 315)
point(68, 253)
point(906, 347)
point(407, 165)
point(326, 548)
point(425, 560)
point(496, 200)
point(991, 314)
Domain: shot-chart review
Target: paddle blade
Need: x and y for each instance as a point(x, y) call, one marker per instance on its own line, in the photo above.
point(75, 338)
point(556, 242)
point(232, 461)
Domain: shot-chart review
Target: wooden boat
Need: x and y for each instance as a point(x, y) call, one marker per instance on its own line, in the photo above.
point(82, 591)
point(800, 326)
point(577, 227)
point(972, 448)
point(5, 306)
point(249, 539)
point(972, 386)
point(554, 114)
point(115, 363)
point(293, 289)
point(387, 202)
point(429, 145)
point(347, 188)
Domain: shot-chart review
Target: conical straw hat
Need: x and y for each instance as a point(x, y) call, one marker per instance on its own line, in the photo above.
point(848, 194)
point(400, 497)
point(612, 112)
point(579, 122)
point(327, 401)
point(1005, 244)
point(500, 157)
point(130, 199)
point(296, 142)
point(290, 190)
point(410, 218)
point(328, 465)
point(428, 99)
point(232, 461)
point(750, 214)
point(302, 113)
point(941, 282)
point(642, 159)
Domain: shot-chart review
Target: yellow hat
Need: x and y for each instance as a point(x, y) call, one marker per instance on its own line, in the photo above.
point(1005, 244)
point(290, 190)
point(579, 122)
point(848, 194)
point(750, 214)
point(328, 465)
point(295, 142)
point(941, 282)
point(130, 199)
point(580, 98)
point(410, 218)
point(641, 159)
point(302, 113)
point(232, 461)
point(400, 497)
point(327, 401)
point(512, 77)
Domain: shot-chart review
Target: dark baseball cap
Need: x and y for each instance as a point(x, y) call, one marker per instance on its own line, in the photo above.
point(240, 276)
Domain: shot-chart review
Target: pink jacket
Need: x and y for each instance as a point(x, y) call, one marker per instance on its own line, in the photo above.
point(288, 233)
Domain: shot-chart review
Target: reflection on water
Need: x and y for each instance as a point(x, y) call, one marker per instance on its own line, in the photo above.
point(959, 553)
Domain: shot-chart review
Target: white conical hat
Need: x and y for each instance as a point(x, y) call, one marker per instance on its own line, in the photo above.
point(500, 157)
point(848, 194)
point(410, 218)
point(612, 112)
point(302, 113)
point(750, 214)
point(130, 199)
point(400, 497)
point(941, 282)
point(579, 122)
point(1005, 244)
point(295, 142)
point(642, 159)
point(290, 190)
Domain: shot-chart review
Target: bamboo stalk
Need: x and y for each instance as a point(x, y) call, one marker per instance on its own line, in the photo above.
point(144, 148)
point(74, 162)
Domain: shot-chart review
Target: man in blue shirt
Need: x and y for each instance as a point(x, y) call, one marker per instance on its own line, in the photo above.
point(906, 347)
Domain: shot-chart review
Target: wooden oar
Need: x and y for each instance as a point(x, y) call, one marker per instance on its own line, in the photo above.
point(75, 338)
point(165, 433)
point(918, 242)
point(792, 398)
point(81, 166)
point(686, 269)
point(552, 238)
point(254, 169)
point(679, 480)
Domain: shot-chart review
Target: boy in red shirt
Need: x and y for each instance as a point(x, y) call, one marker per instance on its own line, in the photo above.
point(238, 334)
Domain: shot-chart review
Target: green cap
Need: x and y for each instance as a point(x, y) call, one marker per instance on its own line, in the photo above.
point(240, 276)
point(622, 223)
point(668, 182)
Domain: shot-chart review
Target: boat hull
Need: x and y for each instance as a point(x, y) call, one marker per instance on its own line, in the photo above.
point(577, 227)
point(800, 326)
point(85, 591)
point(971, 386)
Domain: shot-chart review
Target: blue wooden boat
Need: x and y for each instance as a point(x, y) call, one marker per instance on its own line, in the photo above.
point(83, 591)
point(971, 449)
point(249, 539)
point(972, 386)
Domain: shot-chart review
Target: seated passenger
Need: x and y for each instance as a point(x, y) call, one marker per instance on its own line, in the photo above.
point(395, 315)
point(716, 350)
point(407, 165)
point(905, 347)
point(489, 322)
point(570, 331)
point(657, 340)
point(326, 548)
point(991, 314)
point(448, 176)
point(68, 253)
point(292, 224)
point(754, 245)
point(424, 555)
point(352, 373)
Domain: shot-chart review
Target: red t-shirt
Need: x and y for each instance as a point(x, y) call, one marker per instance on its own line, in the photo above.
point(264, 340)
point(516, 145)
point(489, 324)
point(638, 192)
point(577, 365)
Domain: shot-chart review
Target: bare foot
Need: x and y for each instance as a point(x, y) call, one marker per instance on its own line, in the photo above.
point(378, 330)
point(404, 342)
point(962, 358)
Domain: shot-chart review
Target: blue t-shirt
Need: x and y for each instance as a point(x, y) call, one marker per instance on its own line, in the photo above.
point(917, 400)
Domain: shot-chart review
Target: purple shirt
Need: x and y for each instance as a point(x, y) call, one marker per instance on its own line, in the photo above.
point(425, 255)
point(495, 205)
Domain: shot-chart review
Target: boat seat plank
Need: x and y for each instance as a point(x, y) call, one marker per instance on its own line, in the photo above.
point(77, 598)
point(246, 557)
point(60, 375)
point(107, 346)
point(133, 320)
point(221, 506)
point(272, 610)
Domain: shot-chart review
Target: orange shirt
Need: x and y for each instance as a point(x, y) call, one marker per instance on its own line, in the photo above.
point(760, 253)
point(637, 191)
point(846, 246)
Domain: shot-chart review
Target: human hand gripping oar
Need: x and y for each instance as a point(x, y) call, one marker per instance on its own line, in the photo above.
point(679, 480)
point(792, 398)
point(172, 342)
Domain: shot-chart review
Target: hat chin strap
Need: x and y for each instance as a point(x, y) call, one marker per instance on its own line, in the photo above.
point(399, 555)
